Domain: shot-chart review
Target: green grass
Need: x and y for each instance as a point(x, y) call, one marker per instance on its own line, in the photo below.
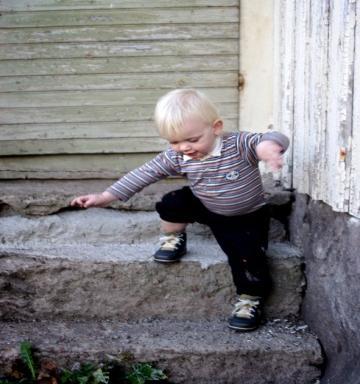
point(122, 370)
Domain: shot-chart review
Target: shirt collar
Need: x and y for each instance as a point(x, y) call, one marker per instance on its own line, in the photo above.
point(216, 151)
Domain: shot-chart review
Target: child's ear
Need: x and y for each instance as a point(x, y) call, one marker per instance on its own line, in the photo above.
point(218, 127)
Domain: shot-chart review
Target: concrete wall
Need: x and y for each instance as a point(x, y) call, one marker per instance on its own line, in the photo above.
point(331, 244)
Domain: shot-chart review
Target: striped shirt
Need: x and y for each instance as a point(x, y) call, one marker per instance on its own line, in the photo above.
point(228, 183)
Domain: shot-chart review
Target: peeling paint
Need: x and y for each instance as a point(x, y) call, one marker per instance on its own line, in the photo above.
point(319, 61)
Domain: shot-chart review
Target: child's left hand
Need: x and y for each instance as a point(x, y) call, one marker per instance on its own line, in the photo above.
point(270, 152)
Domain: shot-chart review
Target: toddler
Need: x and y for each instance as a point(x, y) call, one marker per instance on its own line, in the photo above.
point(225, 192)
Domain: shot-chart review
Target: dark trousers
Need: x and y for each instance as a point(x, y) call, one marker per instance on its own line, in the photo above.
point(243, 238)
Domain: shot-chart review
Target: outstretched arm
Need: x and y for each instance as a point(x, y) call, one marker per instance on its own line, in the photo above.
point(133, 182)
point(94, 200)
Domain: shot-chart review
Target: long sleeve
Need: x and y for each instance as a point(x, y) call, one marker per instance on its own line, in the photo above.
point(247, 143)
point(162, 166)
point(278, 137)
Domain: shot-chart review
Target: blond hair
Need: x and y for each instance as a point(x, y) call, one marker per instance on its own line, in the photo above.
point(178, 105)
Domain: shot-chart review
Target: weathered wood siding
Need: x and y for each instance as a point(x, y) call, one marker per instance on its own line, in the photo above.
point(319, 98)
point(79, 79)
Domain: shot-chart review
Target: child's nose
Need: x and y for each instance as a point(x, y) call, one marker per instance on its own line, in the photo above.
point(184, 147)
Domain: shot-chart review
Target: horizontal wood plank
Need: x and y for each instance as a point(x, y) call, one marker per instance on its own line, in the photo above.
point(138, 129)
point(119, 81)
point(119, 49)
point(115, 143)
point(92, 114)
point(114, 65)
point(23, 132)
point(100, 97)
point(119, 33)
point(71, 166)
point(82, 146)
point(44, 5)
point(80, 79)
point(120, 16)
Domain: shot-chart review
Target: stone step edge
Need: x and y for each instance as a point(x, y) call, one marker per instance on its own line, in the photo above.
point(44, 197)
point(204, 251)
point(175, 346)
point(100, 225)
point(125, 288)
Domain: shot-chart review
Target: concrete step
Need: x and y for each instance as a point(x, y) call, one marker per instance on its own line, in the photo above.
point(121, 281)
point(44, 197)
point(189, 352)
point(94, 226)
point(98, 264)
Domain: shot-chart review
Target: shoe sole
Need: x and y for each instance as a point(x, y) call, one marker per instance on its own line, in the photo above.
point(242, 329)
point(166, 261)
point(170, 261)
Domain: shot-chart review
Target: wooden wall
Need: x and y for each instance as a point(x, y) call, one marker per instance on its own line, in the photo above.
point(319, 98)
point(79, 79)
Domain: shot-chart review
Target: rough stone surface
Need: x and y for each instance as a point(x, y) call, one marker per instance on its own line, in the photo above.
point(98, 263)
point(44, 197)
point(331, 243)
point(96, 225)
point(190, 352)
point(120, 281)
point(70, 281)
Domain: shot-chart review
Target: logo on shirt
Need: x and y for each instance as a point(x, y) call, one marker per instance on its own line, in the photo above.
point(233, 175)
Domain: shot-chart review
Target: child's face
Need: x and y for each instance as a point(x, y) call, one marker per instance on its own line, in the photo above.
point(197, 138)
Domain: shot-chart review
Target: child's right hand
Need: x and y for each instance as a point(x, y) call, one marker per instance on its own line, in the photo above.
point(93, 200)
